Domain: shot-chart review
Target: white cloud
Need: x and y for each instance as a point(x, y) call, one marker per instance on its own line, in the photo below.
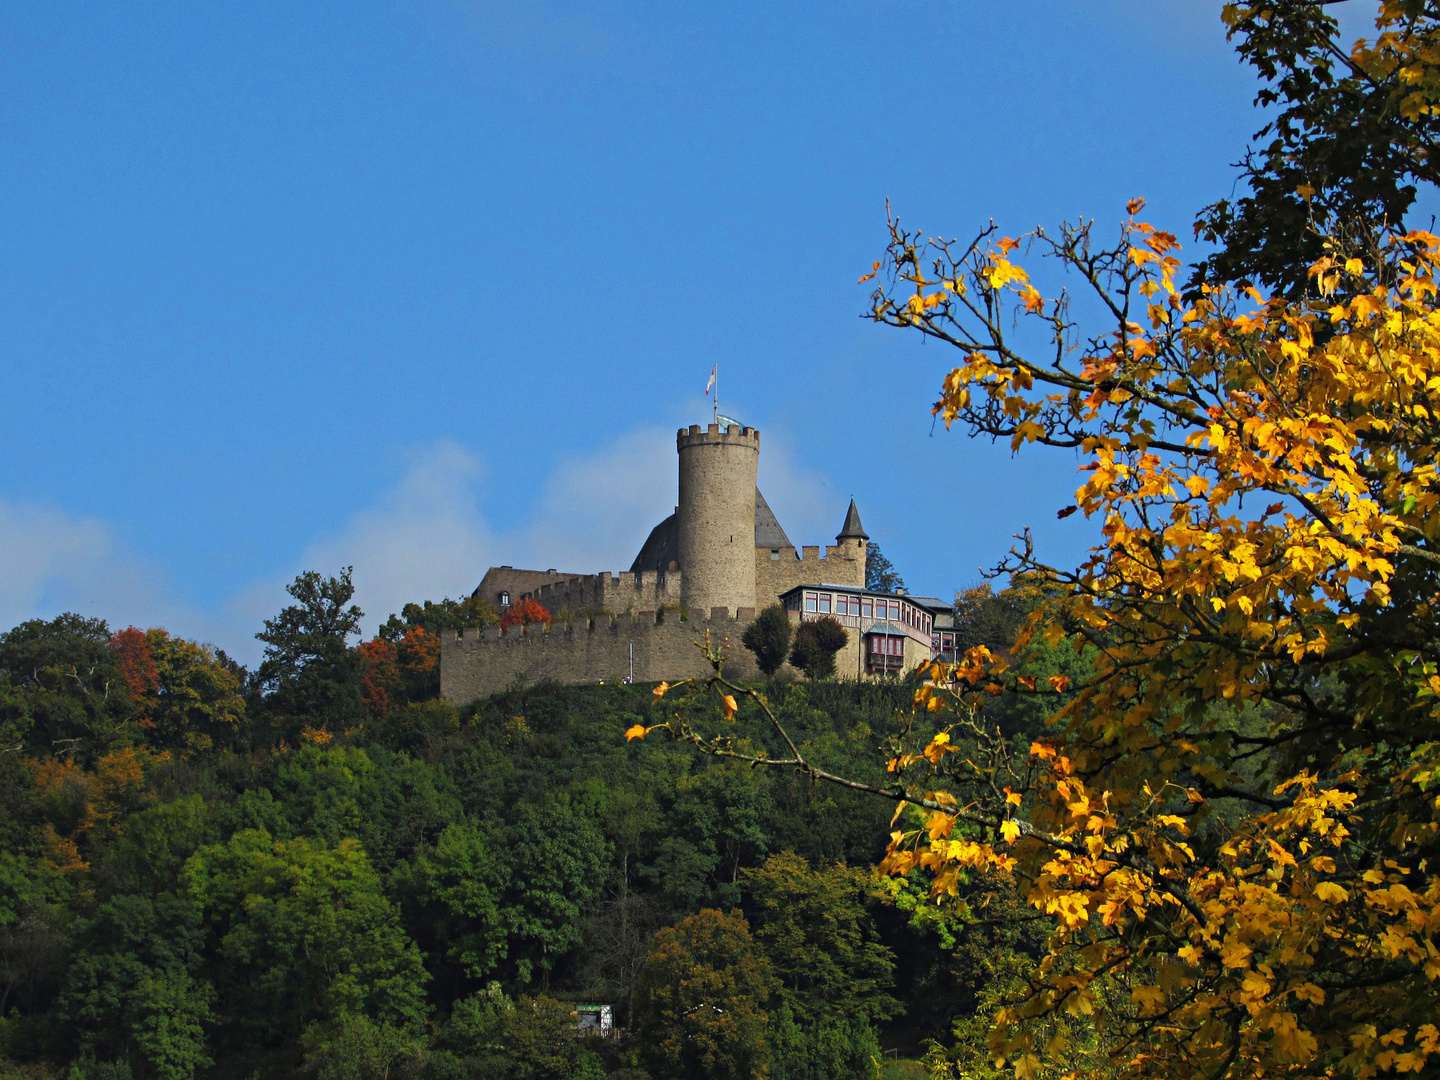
point(425, 538)
point(51, 561)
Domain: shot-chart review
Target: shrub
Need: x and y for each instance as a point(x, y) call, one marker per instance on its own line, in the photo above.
point(768, 637)
point(816, 644)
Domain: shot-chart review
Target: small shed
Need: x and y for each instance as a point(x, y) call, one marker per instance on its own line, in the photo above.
point(594, 1019)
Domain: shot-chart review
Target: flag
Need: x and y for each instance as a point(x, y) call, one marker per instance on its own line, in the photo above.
point(711, 384)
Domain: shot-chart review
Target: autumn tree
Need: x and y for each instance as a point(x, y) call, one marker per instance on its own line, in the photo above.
point(1231, 821)
point(700, 1002)
point(523, 612)
point(768, 637)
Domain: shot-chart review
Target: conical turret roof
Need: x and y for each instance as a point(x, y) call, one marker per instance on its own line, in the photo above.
point(852, 529)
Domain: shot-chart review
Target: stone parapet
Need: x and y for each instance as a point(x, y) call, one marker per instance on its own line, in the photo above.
point(476, 662)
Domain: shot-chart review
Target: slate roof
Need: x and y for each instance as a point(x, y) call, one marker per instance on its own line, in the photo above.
point(768, 533)
point(662, 547)
point(852, 528)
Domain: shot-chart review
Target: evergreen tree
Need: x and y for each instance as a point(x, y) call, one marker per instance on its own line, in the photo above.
point(880, 573)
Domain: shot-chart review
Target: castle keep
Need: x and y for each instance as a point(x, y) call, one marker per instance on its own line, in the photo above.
point(709, 566)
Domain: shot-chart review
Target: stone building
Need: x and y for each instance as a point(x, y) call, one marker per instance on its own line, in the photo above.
point(711, 565)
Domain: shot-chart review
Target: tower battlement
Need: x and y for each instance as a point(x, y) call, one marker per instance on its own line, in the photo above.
point(718, 433)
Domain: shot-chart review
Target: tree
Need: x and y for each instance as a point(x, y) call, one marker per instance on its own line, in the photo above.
point(308, 931)
point(1244, 774)
point(1232, 822)
point(73, 696)
point(197, 702)
point(434, 618)
point(880, 573)
point(816, 644)
point(523, 612)
point(1352, 138)
point(814, 927)
point(700, 1001)
point(309, 672)
point(768, 637)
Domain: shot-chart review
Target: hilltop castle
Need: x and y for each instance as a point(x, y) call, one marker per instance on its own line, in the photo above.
point(711, 565)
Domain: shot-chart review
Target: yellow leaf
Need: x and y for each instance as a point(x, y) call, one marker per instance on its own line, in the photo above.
point(1010, 831)
point(1148, 998)
point(729, 704)
point(1331, 893)
point(659, 691)
point(636, 732)
point(1012, 796)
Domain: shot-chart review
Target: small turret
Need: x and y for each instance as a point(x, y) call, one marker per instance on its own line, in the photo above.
point(853, 538)
point(852, 529)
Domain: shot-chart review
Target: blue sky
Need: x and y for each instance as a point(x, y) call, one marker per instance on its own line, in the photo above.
point(428, 286)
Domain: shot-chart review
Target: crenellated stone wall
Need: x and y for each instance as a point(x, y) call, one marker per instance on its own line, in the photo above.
point(779, 572)
point(645, 590)
point(474, 663)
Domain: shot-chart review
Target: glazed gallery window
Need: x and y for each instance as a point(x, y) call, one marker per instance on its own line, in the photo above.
point(887, 646)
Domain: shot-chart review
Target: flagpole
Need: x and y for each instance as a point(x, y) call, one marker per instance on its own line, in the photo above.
point(716, 403)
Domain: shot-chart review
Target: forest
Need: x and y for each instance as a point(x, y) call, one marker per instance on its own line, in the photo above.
point(320, 867)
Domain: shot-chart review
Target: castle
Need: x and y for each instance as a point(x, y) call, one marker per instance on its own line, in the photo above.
point(710, 566)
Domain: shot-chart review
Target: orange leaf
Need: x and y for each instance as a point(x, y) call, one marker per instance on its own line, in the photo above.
point(730, 706)
point(636, 732)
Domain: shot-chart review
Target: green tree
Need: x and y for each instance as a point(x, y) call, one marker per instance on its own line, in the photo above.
point(73, 699)
point(168, 1013)
point(814, 927)
point(308, 933)
point(700, 1002)
point(435, 617)
point(489, 1035)
point(816, 644)
point(768, 637)
point(1350, 141)
point(130, 984)
point(880, 572)
point(198, 701)
point(310, 675)
point(356, 1047)
point(463, 876)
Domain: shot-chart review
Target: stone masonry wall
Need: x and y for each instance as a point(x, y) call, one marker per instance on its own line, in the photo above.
point(474, 663)
point(715, 518)
point(646, 590)
point(842, 565)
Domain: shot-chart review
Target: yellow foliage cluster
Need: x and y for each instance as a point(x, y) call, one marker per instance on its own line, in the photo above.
point(1234, 824)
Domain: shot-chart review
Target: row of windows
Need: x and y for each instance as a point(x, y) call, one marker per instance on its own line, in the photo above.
point(887, 646)
point(943, 642)
point(867, 607)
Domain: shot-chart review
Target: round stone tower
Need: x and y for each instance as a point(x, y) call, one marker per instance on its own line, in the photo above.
point(716, 519)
